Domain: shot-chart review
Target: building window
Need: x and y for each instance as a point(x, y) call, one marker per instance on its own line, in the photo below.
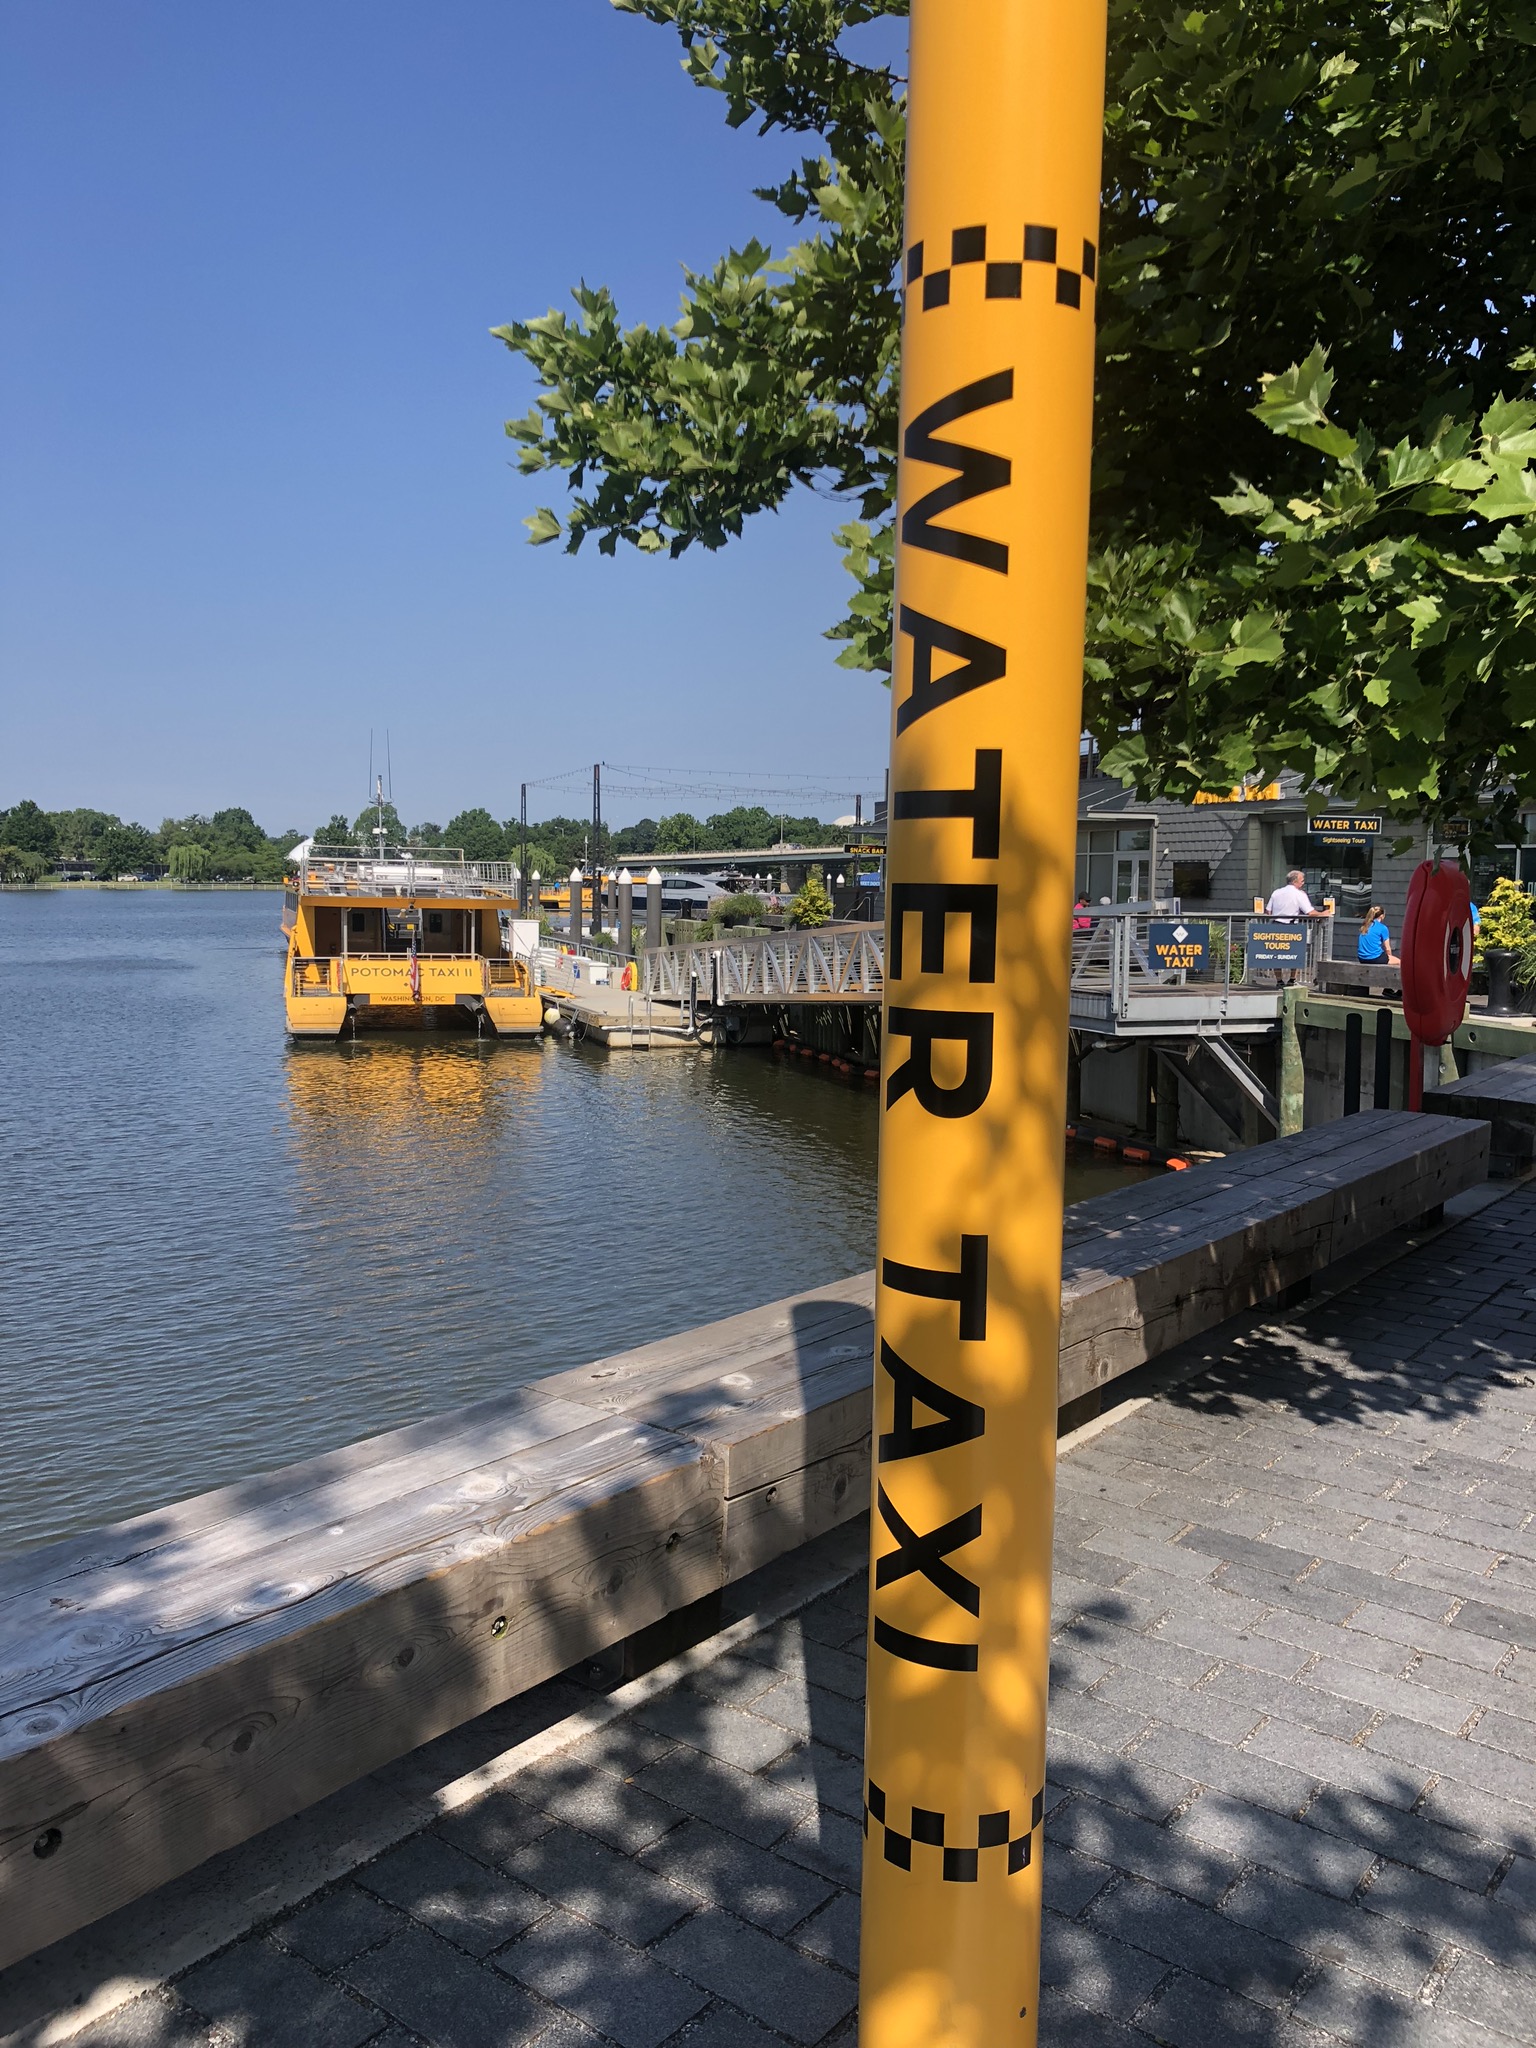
point(1192, 880)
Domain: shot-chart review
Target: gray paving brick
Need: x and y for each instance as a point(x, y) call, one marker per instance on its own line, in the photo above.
point(1192, 1938)
point(764, 1978)
point(1091, 1718)
point(1202, 1711)
point(1517, 1888)
point(1261, 1693)
point(440, 1995)
point(158, 2019)
point(1383, 1693)
point(1191, 2013)
point(1496, 1998)
point(838, 1670)
point(1357, 2009)
point(493, 1829)
point(1414, 1839)
point(1066, 2024)
point(1496, 1624)
point(729, 1733)
point(1128, 1843)
point(475, 1908)
point(1272, 1558)
point(1391, 1952)
point(610, 1987)
point(1074, 1669)
point(1488, 1815)
point(1462, 1646)
point(260, 1993)
point(1071, 1880)
point(1250, 1773)
point(1450, 1913)
point(1410, 1742)
point(730, 1799)
point(828, 1843)
point(723, 2027)
point(833, 1933)
point(337, 1927)
point(821, 1776)
point(615, 1892)
point(624, 1746)
point(723, 1870)
point(1125, 1648)
point(1103, 1974)
point(1249, 1834)
point(1129, 1781)
point(812, 1710)
point(1262, 1647)
point(627, 1816)
point(1328, 1762)
point(1297, 1596)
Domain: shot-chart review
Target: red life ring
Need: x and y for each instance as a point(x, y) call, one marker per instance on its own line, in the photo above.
point(1437, 960)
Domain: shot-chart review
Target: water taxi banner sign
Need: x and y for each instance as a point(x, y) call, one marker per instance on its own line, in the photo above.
point(1281, 946)
point(1343, 829)
point(1179, 947)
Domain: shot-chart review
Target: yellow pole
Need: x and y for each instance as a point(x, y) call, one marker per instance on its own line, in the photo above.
point(1005, 123)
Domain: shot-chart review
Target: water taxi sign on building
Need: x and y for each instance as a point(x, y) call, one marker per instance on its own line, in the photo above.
point(1343, 828)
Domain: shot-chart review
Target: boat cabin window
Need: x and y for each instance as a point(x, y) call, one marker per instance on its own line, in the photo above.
point(434, 920)
point(356, 917)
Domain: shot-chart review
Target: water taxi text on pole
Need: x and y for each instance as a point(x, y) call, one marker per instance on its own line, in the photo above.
point(998, 277)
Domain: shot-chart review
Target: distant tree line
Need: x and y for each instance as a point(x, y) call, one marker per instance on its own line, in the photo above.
point(230, 846)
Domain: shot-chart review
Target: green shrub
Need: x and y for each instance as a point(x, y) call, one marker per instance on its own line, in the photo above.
point(812, 905)
point(1508, 919)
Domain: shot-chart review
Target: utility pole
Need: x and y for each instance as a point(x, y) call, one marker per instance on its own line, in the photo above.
point(1000, 258)
point(597, 847)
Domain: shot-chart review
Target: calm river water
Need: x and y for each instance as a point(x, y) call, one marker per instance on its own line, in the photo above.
point(222, 1253)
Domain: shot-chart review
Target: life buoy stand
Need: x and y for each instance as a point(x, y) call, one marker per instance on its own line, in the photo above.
point(1437, 962)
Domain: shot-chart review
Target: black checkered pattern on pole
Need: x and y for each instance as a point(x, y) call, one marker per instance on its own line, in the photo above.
point(960, 1861)
point(1004, 270)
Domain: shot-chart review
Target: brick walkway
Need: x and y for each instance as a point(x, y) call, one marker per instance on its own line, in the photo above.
point(1293, 1752)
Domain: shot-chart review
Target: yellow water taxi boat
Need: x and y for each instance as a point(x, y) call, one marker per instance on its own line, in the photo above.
point(403, 938)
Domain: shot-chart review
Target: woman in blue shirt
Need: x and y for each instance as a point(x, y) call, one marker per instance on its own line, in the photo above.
point(1375, 942)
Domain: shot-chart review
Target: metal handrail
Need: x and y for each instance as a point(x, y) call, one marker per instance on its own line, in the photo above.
point(831, 962)
point(401, 870)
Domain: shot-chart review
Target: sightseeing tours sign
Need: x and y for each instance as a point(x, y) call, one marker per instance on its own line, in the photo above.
point(1000, 263)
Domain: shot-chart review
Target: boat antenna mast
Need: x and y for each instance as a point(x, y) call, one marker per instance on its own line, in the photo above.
point(381, 830)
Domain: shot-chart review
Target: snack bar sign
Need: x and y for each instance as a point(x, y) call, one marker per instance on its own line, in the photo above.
point(1179, 947)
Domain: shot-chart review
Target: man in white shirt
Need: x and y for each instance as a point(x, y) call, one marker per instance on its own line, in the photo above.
point(1288, 905)
point(1291, 901)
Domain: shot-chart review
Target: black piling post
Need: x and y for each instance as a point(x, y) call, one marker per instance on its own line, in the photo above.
point(1354, 1039)
point(1383, 1095)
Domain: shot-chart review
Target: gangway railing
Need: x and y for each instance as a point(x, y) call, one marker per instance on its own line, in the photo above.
point(1118, 984)
point(832, 964)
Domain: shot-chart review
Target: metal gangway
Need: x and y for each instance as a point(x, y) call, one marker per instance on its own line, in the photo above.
point(835, 963)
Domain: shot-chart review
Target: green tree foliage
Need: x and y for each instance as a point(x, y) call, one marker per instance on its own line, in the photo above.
point(336, 831)
point(1376, 630)
point(478, 833)
point(636, 839)
point(125, 850)
point(427, 834)
point(365, 825)
point(78, 832)
point(30, 829)
point(188, 862)
point(20, 864)
point(1278, 173)
point(811, 905)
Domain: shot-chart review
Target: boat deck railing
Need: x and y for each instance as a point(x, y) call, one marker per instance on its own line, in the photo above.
point(327, 974)
point(402, 871)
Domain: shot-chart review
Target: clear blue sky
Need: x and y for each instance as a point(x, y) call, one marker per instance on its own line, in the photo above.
point(256, 495)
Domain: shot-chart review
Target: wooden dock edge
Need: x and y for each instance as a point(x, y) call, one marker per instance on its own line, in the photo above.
point(172, 1685)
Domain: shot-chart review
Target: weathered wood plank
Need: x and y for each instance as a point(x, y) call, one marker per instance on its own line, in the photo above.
point(1504, 1093)
point(115, 1784)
